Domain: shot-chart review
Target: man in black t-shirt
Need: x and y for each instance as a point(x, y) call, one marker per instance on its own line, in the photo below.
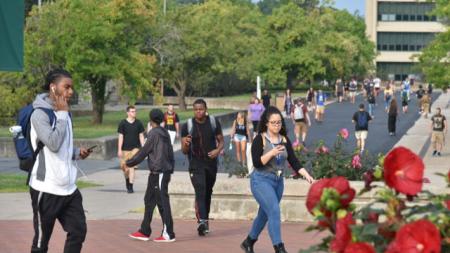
point(131, 139)
point(266, 99)
point(202, 141)
point(439, 129)
point(171, 123)
point(361, 119)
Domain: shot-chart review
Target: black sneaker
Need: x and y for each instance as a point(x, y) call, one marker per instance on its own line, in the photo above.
point(434, 152)
point(130, 188)
point(439, 153)
point(207, 227)
point(202, 229)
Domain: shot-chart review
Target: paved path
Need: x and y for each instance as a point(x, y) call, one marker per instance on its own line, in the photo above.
point(111, 237)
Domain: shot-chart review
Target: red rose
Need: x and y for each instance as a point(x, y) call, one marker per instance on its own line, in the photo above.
point(403, 171)
point(340, 184)
point(359, 247)
point(343, 234)
point(420, 236)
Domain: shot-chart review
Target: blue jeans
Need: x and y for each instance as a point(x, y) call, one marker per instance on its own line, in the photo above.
point(267, 188)
point(371, 109)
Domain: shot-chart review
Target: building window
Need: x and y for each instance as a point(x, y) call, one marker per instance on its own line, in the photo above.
point(401, 41)
point(405, 11)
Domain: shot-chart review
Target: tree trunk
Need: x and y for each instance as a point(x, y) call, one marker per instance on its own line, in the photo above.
point(180, 89)
point(98, 87)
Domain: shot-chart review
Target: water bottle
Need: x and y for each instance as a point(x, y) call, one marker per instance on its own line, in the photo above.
point(16, 131)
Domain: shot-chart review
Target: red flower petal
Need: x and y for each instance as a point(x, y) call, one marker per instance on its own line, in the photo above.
point(340, 184)
point(343, 234)
point(359, 247)
point(403, 171)
point(419, 236)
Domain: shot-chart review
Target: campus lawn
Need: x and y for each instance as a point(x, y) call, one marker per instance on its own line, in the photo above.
point(16, 183)
point(83, 127)
point(246, 96)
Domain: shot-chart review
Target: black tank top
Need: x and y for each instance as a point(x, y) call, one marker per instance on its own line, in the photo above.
point(241, 129)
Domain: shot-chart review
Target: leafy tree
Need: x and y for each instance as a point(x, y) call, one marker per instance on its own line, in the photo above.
point(96, 40)
point(435, 58)
point(199, 42)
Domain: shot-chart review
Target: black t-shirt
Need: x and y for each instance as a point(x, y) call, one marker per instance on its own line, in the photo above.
point(438, 122)
point(266, 100)
point(170, 120)
point(361, 119)
point(130, 133)
point(203, 141)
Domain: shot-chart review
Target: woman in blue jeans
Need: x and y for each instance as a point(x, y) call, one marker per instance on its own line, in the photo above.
point(271, 153)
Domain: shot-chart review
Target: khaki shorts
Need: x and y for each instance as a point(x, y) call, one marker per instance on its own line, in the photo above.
point(361, 134)
point(127, 155)
point(302, 127)
point(438, 137)
point(320, 109)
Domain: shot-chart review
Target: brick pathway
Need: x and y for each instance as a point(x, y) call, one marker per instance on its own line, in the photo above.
point(111, 236)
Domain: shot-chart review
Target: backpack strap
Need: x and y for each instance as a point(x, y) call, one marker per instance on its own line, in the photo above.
point(40, 145)
point(212, 120)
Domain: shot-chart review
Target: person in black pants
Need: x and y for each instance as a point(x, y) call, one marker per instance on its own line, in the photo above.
point(202, 141)
point(159, 150)
point(54, 194)
point(392, 116)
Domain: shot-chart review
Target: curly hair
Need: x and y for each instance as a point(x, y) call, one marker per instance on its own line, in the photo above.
point(262, 128)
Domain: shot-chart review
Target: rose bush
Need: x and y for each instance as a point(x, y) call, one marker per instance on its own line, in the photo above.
point(397, 221)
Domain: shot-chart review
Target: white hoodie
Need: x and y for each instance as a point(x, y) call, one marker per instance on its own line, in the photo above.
point(53, 171)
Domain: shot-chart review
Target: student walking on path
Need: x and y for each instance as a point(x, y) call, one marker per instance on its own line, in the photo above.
point(131, 139)
point(254, 114)
point(202, 141)
point(388, 95)
point(311, 98)
point(392, 116)
point(300, 118)
point(240, 133)
point(266, 99)
point(171, 123)
point(54, 194)
point(271, 153)
point(320, 109)
point(287, 102)
point(371, 100)
point(361, 119)
point(439, 129)
point(159, 152)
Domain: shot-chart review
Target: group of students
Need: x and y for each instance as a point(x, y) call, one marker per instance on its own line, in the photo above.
point(55, 196)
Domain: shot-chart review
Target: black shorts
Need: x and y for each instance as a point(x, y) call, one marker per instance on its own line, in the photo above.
point(255, 125)
point(339, 93)
point(404, 103)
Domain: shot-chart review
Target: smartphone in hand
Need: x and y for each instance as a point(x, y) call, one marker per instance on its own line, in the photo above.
point(91, 148)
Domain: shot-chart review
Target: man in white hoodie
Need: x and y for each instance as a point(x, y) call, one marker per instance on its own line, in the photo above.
point(54, 194)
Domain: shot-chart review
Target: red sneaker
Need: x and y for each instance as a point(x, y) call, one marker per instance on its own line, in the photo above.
point(139, 236)
point(164, 239)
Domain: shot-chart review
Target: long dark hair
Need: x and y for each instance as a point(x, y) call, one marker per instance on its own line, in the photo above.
point(393, 107)
point(262, 128)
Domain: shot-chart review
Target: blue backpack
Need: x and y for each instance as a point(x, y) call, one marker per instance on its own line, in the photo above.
point(363, 121)
point(22, 141)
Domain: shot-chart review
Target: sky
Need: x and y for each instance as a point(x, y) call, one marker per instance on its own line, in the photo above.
point(350, 5)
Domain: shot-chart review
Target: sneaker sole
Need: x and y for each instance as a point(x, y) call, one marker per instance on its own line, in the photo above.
point(139, 238)
point(170, 240)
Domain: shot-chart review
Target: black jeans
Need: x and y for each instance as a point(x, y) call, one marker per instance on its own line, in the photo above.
point(391, 123)
point(69, 212)
point(203, 179)
point(157, 194)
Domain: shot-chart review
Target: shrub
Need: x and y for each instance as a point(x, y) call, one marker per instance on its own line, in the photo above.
point(394, 222)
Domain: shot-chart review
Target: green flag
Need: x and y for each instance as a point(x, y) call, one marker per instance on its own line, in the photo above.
point(11, 35)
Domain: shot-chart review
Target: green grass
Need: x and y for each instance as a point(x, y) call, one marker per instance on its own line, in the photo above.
point(83, 128)
point(16, 183)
